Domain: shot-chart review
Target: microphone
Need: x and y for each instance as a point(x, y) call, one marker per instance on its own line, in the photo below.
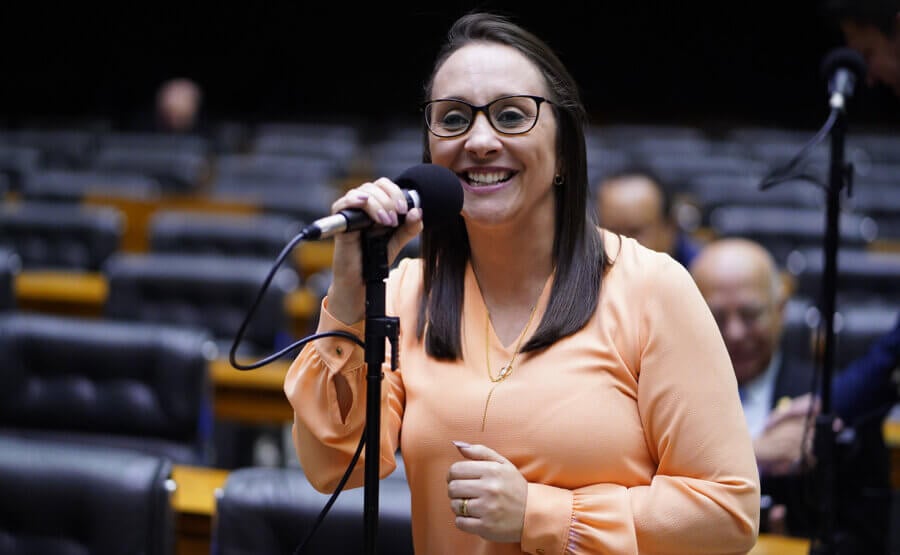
point(842, 67)
point(435, 189)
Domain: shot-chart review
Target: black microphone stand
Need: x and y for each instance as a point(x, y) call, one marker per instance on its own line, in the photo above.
point(825, 443)
point(379, 327)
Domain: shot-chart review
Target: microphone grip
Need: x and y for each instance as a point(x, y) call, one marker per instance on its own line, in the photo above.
point(358, 220)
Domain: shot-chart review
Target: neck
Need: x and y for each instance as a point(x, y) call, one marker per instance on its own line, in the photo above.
point(512, 265)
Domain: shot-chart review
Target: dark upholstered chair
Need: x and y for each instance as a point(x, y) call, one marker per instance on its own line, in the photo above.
point(117, 384)
point(861, 274)
point(209, 292)
point(59, 148)
point(334, 141)
point(59, 236)
point(270, 510)
point(177, 171)
point(261, 236)
point(856, 326)
point(64, 185)
point(68, 499)
point(784, 230)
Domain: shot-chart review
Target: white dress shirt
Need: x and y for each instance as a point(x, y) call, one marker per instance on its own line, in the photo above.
point(756, 396)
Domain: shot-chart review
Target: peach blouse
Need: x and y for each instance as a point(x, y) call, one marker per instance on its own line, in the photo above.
point(629, 432)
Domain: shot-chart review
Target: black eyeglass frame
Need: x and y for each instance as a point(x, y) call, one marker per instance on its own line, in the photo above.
point(484, 108)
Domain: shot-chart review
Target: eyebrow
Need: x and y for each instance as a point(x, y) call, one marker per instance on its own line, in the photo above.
point(469, 101)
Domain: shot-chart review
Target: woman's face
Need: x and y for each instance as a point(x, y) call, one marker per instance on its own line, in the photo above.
point(507, 180)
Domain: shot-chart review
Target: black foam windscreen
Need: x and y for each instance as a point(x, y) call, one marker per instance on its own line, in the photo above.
point(439, 190)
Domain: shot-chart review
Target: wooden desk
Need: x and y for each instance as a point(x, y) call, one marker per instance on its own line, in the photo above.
point(85, 294)
point(255, 396)
point(138, 212)
point(56, 292)
point(194, 502)
point(780, 545)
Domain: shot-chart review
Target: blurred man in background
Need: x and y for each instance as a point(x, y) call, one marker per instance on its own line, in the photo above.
point(744, 290)
point(636, 203)
point(178, 103)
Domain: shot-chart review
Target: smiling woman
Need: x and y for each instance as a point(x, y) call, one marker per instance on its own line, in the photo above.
point(546, 398)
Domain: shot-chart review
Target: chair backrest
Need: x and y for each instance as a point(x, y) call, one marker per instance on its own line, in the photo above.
point(271, 510)
point(784, 230)
point(59, 148)
point(154, 142)
point(856, 327)
point(64, 185)
point(283, 198)
point(59, 236)
point(861, 274)
point(680, 169)
point(259, 169)
point(712, 191)
point(210, 292)
point(261, 236)
point(73, 499)
point(337, 142)
point(110, 383)
point(176, 171)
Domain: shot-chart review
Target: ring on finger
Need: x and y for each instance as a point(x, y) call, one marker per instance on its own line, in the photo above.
point(464, 507)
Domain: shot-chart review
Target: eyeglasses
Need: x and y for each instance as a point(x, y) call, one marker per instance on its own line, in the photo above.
point(510, 115)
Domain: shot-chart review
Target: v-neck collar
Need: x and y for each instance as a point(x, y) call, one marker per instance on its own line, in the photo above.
point(475, 313)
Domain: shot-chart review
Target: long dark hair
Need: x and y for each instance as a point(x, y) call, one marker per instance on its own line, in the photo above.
point(577, 245)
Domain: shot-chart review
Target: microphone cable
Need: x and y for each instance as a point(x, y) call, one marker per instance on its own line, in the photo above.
point(232, 358)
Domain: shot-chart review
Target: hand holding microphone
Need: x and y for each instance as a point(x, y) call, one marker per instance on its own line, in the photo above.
point(426, 195)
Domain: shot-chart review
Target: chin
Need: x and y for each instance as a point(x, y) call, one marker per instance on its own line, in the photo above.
point(746, 372)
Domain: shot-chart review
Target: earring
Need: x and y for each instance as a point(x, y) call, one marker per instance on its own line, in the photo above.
point(558, 180)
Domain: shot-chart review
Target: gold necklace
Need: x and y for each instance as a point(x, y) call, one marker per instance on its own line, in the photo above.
point(507, 368)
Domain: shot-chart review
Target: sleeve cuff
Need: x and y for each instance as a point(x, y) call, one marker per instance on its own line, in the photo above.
point(338, 352)
point(548, 517)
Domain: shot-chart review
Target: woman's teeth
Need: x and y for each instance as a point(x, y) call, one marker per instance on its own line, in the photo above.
point(487, 178)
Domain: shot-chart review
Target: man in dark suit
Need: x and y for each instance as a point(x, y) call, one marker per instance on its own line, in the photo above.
point(743, 287)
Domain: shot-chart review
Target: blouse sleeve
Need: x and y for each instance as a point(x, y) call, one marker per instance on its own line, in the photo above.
point(704, 497)
point(325, 442)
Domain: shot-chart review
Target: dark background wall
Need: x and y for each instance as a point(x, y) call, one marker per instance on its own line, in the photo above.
point(704, 63)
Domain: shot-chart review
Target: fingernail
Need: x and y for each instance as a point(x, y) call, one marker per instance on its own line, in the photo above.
point(461, 444)
point(383, 217)
point(401, 206)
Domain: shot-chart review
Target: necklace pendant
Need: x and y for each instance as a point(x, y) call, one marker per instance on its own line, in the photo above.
point(505, 371)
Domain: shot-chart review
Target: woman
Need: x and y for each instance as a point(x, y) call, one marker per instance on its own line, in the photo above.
point(540, 411)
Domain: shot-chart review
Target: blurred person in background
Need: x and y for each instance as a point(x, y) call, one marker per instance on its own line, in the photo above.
point(636, 203)
point(178, 106)
point(745, 292)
